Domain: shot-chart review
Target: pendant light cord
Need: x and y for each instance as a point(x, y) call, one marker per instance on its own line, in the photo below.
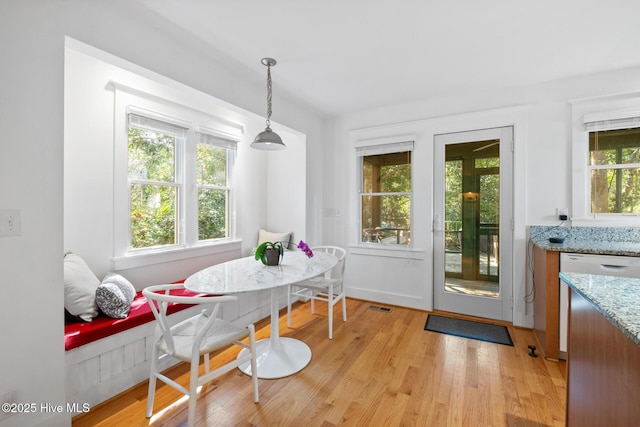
point(268, 95)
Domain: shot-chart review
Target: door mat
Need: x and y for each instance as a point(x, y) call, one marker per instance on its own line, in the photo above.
point(468, 329)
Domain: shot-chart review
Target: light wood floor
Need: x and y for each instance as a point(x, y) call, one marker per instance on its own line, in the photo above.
point(380, 369)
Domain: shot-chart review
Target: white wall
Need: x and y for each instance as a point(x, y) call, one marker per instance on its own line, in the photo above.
point(266, 196)
point(542, 177)
point(32, 41)
point(31, 162)
point(269, 193)
point(31, 181)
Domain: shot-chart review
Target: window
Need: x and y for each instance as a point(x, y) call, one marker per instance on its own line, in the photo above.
point(214, 190)
point(614, 168)
point(385, 193)
point(162, 212)
point(155, 187)
point(606, 160)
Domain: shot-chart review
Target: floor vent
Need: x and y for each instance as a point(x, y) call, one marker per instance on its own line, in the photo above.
point(379, 308)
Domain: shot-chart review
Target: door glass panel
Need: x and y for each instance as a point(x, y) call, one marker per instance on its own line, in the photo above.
point(453, 218)
point(472, 212)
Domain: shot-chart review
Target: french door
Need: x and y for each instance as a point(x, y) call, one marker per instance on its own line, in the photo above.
point(473, 217)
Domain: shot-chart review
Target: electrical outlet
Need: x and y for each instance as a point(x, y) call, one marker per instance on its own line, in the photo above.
point(563, 214)
point(10, 222)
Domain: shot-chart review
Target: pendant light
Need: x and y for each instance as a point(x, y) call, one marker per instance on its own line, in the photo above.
point(268, 139)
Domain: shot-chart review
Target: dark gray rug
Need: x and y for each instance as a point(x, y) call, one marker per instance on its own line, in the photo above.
point(468, 329)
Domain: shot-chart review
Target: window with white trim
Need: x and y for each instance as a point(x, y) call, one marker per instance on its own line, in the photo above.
point(165, 160)
point(214, 162)
point(155, 184)
point(614, 166)
point(385, 193)
point(605, 162)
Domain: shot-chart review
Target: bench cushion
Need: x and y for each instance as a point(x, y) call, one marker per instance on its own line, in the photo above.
point(81, 333)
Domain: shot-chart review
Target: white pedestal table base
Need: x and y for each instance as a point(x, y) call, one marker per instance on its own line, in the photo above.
point(278, 358)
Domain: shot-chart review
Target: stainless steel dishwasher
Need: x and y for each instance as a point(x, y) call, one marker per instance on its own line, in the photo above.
point(605, 265)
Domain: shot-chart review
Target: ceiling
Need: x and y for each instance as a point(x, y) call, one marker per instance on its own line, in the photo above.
point(341, 56)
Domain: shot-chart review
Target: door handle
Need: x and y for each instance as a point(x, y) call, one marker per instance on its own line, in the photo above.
point(438, 225)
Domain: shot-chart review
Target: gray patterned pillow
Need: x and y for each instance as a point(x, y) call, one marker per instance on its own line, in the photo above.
point(114, 296)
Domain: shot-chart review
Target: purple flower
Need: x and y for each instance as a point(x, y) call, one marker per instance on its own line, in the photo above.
point(305, 248)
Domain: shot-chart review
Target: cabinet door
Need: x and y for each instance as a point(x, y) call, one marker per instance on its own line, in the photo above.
point(546, 282)
point(603, 370)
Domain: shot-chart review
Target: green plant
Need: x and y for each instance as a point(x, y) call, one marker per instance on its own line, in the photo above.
point(261, 251)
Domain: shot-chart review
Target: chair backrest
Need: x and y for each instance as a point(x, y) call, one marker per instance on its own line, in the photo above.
point(159, 297)
point(338, 271)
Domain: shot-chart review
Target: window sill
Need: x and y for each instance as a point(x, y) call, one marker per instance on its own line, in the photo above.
point(387, 251)
point(143, 259)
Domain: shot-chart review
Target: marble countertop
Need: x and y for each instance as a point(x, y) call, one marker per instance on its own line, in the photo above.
point(591, 247)
point(589, 240)
point(617, 298)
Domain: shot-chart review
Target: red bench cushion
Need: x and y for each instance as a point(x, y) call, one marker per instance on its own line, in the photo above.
point(81, 333)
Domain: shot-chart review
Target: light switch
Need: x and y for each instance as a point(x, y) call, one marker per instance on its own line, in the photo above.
point(10, 222)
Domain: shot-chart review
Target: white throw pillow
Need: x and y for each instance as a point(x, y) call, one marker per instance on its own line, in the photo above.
point(268, 236)
point(114, 296)
point(80, 284)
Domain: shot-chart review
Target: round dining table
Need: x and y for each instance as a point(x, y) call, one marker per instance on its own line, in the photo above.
point(277, 356)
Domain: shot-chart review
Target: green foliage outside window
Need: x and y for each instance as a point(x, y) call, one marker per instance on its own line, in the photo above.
point(211, 165)
point(213, 191)
point(153, 193)
point(153, 213)
point(151, 155)
point(212, 218)
point(453, 205)
point(614, 159)
point(386, 202)
point(486, 182)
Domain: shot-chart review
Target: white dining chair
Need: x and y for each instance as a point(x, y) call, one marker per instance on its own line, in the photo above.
point(193, 338)
point(327, 287)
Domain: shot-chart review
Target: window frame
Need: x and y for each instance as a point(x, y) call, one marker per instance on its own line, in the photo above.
point(624, 125)
point(585, 113)
point(230, 145)
point(178, 179)
point(378, 148)
point(132, 101)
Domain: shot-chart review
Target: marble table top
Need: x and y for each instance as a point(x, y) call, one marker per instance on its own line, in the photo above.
point(249, 275)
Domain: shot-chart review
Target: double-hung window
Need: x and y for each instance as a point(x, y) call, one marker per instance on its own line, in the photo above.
point(606, 160)
point(179, 185)
point(614, 166)
point(155, 183)
point(385, 193)
point(214, 162)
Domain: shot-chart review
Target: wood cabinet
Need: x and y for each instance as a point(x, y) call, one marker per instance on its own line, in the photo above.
point(603, 370)
point(546, 304)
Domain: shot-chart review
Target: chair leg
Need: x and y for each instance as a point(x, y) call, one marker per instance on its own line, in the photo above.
point(330, 311)
point(193, 392)
point(254, 364)
point(152, 381)
point(289, 306)
point(344, 308)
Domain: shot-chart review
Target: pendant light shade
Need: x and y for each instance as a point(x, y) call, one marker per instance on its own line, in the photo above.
point(268, 139)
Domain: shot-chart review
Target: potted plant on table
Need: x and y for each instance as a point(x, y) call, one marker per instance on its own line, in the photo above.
point(270, 253)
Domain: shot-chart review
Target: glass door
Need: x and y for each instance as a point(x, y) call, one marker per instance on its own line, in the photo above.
point(472, 202)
